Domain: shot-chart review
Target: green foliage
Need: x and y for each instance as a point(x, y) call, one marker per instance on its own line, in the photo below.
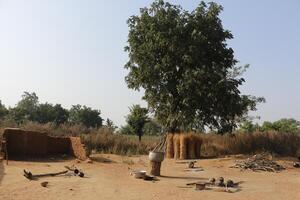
point(85, 115)
point(26, 108)
point(48, 113)
point(126, 130)
point(29, 109)
point(249, 127)
point(182, 61)
point(152, 128)
point(61, 114)
point(282, 125)
point(136, 120)
point(110, 125)
point(3, 110)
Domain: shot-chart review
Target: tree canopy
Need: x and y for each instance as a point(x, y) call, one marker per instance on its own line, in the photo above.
point(284, 125)
point(26, 108)
point(182, 61)
point(85, 115)
point(29, 109)
point(136, 120)
point(48, 113)
point(3, 110)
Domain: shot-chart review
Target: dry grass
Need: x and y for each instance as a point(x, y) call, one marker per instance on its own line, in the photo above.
point(103, 140)
point(119, 144)
point(283, 144)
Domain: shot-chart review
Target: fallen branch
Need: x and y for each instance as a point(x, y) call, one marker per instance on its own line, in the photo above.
point(31, 176)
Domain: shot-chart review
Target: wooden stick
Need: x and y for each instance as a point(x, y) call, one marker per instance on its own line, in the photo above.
point(31, 176)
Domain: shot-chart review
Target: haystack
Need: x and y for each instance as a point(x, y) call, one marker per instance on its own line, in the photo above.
point(198, 143)
point(170, 146)
point(176, 144)
point(183, 146)
point(191, 154)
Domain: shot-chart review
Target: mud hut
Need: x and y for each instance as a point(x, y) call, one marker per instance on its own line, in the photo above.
point(22, 144)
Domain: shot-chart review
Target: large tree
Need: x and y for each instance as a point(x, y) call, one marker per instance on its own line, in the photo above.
point(182, 61)
point(136, 120)
point(26, 108)
point(46, 112)
point(85, 115)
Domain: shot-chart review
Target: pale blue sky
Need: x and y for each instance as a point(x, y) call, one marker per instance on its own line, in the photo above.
point(71, 52)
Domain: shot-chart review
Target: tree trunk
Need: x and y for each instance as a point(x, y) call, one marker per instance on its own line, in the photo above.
point(140, 137)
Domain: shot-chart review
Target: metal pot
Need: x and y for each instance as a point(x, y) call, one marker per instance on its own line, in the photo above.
point(139, 173)
point(156, 156)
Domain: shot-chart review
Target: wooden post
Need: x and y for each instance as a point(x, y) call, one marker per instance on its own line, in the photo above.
point(155, 168)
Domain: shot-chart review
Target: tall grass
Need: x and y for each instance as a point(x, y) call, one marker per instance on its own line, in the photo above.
point(118, 144)
point(283, 144)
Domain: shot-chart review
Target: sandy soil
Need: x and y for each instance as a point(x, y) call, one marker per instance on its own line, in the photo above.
point(108, 178)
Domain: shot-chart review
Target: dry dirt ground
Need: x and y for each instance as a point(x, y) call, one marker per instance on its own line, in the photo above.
point(108, 178)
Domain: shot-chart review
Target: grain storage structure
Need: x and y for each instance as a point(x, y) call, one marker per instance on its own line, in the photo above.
point(183, 146)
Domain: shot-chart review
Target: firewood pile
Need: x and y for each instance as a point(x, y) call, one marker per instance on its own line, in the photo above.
point(258, 162)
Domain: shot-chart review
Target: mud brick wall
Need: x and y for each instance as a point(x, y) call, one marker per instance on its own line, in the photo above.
point(77, 148)
point(58, 145)
point(37, 144)
point(22, 143)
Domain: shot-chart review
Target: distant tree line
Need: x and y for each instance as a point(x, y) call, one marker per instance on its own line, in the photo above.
point(30, 109)
point(283, 125)
point(139, 123)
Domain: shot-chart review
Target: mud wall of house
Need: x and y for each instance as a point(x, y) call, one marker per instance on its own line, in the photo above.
point(36, 144)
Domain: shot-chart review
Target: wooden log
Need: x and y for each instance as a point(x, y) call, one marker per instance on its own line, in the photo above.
point(155, 168)
point(31, 176)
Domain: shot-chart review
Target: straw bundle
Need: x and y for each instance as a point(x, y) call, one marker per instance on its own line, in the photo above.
point(170, 146)
point(183, 146)
point(198, 143)
point(176, 144)
point(191, 146)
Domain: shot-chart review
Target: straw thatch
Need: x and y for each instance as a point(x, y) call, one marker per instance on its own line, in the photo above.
point(183, 146)
point(191, 146)
point(170, 146)
point(176, 144)
point(198, 143)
